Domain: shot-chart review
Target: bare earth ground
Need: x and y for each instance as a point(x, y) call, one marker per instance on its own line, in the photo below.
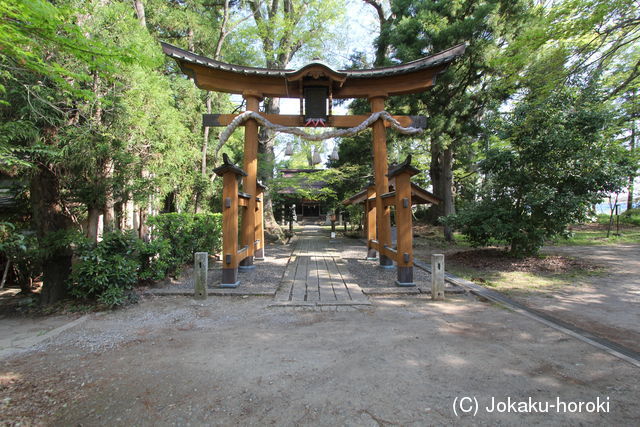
point(608, 304)
point(232, 361)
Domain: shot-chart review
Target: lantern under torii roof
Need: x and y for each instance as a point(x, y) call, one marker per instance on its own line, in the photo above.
point(410, 77)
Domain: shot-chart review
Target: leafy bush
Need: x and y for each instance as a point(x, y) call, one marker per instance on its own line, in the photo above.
point(21, 250)
point(106, 270)
point(631, 216)
point(557, 162)
point(183, 234)
point(155, 259)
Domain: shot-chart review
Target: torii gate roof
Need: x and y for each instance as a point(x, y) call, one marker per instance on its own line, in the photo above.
point(410, 77)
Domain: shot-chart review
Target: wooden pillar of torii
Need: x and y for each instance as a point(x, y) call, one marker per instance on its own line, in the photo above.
point(316, 85)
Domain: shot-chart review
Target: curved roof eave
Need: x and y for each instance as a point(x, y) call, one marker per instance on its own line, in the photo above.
point(444, 57)
point(411, 77)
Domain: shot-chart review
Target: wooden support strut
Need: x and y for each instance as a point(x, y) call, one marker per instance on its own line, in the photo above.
point(230, 258)
point(250, 181)
point(401, 198)
point(404, 258)
point(383, 214)
point(259, 251)
point(370, 222)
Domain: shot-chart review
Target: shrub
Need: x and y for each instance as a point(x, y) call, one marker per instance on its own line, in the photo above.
point(21, 250)
point(106, 270)
point(631, 216)
point(155, 259)
point(556, 160)
point(186, 233)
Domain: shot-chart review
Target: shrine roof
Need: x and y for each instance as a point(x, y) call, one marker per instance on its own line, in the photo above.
point(419, 196)
point(216, 75)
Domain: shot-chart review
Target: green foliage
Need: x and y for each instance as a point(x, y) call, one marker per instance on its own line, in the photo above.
point(186, 234)
point(31, 29)
point(155, 259)
point(330, 186)
point(21, 249)
point(106, 270)
point(630, 217)
point(558, 162)
point(356, 215)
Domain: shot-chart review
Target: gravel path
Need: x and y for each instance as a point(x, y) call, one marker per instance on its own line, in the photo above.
point(231, 361)
point(369, 274)
point(263, 279)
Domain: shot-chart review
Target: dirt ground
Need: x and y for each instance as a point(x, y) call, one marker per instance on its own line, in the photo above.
point(607, 304)
point(233, 361)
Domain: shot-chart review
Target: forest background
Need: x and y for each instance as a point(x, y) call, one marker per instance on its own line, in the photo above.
point(100, 133)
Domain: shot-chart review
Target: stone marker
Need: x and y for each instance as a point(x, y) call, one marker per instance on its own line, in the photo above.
point(437, 277)
point(200, 267)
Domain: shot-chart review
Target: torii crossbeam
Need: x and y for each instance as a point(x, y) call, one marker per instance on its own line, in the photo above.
point(316, 85)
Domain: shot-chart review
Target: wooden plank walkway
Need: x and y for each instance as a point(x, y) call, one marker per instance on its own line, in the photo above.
point(317, 276)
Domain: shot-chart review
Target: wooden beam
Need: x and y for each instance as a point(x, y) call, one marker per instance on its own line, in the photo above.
point(404, 220)
point(250, 182)
point(380, 167)
point(230, 221)
point(259, 251)
point(213, 120)
point(228, 81)
point(370, 220)
point(389, 201)
point(389, 252)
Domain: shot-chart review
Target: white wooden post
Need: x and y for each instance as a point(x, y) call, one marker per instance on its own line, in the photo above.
point(200, 268)
point(437, 277)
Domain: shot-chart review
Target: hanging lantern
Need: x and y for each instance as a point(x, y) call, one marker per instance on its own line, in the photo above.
point(334, 154)
point(288, 151)
point(315, 157)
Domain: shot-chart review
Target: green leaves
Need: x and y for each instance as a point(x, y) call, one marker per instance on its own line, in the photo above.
point(186, 234)
point(105, 270)
point(42, 38)
point(558, 161)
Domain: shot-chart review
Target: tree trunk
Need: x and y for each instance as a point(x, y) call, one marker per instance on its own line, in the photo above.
point(447, 190)
point(139, 5)
point(265, 171)
point(129, 212)
point(441, 174)
point(435, 173)
point(5, 272)
point(48, 217)
point(382, 43)
point(203, 156)
point(109, 206)
point(205, 143)
point(632, 177)
point(93, 223)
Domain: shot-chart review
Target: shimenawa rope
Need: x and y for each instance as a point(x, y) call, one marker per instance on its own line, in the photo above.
point(316, 137)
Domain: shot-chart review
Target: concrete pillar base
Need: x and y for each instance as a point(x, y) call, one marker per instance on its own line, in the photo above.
point(372, 254)
point(259, 255)
point(405, 277)
point(229, 278)
point(405, 285)
point(246, 264)
point(386, 262)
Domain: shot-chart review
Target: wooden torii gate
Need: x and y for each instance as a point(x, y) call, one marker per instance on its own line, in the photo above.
point(316, 85)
